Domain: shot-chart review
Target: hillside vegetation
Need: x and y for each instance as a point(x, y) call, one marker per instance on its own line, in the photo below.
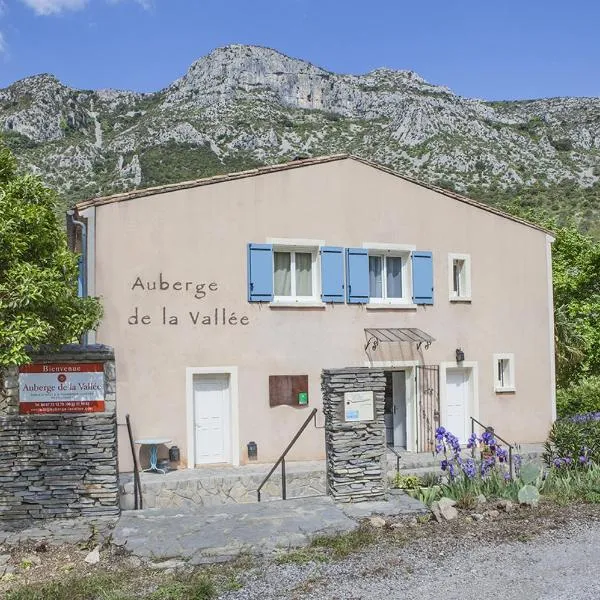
point(243, 106)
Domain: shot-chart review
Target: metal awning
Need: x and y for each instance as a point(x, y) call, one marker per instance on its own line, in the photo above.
point(408, 334)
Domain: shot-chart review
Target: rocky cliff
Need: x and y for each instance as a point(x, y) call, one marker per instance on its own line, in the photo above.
point(243, 105)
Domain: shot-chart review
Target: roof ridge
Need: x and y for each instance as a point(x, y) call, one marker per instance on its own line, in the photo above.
point(294, 164)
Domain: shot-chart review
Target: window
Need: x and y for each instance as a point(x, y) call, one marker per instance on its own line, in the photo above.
point(504, 372)
point(459, 271)
point(388, 277)
point(294, 275)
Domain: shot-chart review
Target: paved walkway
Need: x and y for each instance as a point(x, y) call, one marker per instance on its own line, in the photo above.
point(219, 532)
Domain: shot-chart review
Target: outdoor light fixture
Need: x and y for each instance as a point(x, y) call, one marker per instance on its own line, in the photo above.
point(460, 355)
point(252, 451)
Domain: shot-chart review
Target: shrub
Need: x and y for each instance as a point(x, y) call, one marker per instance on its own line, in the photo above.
point(406, 482)
point(574, 441)
point(568, 485)
point(580, 397)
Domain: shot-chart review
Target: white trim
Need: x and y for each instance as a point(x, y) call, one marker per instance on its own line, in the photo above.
point(315, 272)
point(510, 386)
point(235, 414)
point(409, 366)
point(551, 347)
point(90, 215)
point(297, 242)
point(408, 305)
point(473, 408)
point(389, 247)
point(299, 303)
point(466, 296)
point(406, 276)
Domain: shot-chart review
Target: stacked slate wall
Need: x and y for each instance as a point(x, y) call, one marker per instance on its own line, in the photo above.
point(58, 465)
point(355, 450)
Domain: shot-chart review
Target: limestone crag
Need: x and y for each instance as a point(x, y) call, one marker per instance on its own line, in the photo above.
point(244, 105)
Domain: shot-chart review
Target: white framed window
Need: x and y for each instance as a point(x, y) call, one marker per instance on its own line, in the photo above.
point(459, 277)
point(504, 372)
point(389, 274)
point(295, 274)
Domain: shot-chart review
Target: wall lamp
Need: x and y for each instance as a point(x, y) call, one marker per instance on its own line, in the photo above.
point(460, 355)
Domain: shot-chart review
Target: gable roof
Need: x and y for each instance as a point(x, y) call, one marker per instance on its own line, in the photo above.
point(296, 164)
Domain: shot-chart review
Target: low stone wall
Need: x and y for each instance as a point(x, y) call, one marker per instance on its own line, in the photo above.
point(192, 488)
point(356, 461)
point(58, 465)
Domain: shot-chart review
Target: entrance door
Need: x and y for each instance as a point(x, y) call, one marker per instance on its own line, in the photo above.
point(457, 403)
point(399, 407)
point(212, 412)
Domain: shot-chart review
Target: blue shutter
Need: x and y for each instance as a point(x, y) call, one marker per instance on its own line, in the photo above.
point(332, 274)
point(80, 277)
point(357, 272)
point(422, 275)
point(260, 272)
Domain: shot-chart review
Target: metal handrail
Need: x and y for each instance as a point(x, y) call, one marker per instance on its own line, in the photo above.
point(398, 457)
point(491, 430)
point(281, 459)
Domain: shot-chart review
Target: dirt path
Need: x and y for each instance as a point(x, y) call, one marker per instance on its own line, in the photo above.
point(549, 555)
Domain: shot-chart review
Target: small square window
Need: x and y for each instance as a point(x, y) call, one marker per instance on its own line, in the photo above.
point(294, 274)
point(504, 372)
point(459, 272)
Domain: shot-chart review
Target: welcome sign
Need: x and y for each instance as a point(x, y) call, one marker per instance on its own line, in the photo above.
point(61, 388)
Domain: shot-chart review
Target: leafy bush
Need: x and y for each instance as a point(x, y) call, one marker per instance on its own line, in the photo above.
point(406, 482)
point(580, 397)
point(574, 441)
point(568, 485)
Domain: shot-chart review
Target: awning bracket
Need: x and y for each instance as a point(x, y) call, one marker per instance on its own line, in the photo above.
point(387, 335)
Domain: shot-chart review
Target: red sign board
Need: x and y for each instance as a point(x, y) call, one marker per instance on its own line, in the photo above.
point(61, 388)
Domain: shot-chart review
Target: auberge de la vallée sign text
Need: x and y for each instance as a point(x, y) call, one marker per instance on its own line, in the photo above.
point(61, 388)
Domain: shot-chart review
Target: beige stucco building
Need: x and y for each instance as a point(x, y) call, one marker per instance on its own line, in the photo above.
point(213, 289)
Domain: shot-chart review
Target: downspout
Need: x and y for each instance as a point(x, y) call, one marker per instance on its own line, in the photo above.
point(82, 279)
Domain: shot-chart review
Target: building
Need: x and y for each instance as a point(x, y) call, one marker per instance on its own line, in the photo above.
point(226, 297)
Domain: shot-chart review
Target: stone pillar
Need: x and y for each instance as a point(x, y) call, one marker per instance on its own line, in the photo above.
point(58, 465)
point(355, 448)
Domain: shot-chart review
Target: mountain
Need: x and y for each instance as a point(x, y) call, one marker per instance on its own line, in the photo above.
point(241, 106)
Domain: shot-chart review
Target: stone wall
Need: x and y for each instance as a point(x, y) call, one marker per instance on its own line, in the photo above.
point(58, 465)
point(356, 469)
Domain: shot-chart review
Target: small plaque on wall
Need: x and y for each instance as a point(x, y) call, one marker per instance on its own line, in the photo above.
point(359, 406)
point(288, 390)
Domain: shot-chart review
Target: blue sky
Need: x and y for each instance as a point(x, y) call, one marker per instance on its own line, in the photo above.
point(494, 50)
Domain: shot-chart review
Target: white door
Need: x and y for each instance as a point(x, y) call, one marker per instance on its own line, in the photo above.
point(212, 412)
point(457, 403)
point(399, 410)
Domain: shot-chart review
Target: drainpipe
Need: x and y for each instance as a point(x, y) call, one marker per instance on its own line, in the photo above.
point(82, 279)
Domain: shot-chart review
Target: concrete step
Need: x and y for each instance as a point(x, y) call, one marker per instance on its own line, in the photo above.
point(206, 534)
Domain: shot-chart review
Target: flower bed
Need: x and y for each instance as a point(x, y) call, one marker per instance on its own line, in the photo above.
point(571, 474)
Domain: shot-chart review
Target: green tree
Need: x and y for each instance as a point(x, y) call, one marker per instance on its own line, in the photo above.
point(576, 284)
point(38, 273)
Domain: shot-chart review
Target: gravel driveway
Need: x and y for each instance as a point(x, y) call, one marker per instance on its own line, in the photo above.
point(518, 556)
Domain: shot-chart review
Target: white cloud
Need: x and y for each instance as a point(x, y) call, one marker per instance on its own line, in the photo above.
point(52, 7)
point(2, 7)
point(145, 4)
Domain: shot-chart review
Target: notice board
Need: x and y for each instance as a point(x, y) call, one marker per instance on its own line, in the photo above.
point(288, 390)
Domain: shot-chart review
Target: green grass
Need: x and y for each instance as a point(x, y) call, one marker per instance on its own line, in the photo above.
point(330, 547)
point(128, 584)
point(104, 586)
point(192, 587)
point(340, 546)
